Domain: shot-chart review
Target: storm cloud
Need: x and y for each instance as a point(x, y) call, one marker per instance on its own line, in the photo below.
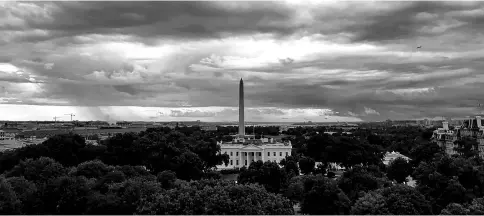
point(322, 61)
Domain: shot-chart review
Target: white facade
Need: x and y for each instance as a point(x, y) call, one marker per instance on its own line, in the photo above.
point(243, 152)
point(390, 156)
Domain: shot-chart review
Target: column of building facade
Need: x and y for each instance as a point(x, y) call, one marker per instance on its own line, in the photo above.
point(240, 159)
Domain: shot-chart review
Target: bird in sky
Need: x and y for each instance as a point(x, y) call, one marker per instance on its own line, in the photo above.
point(419, 47)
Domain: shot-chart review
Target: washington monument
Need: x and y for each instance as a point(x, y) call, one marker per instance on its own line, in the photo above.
point(241, 109)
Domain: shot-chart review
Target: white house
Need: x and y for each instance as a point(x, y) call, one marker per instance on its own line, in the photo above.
point(245, 149)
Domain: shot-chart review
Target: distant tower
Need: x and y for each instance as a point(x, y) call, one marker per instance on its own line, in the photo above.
point(241, 109)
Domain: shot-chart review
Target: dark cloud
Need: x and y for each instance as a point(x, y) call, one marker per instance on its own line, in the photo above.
point(150, 20)
point(393, 21)
point(390, 78)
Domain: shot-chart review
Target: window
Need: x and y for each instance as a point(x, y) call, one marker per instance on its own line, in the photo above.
point(287, 154)
point(280, 154)
point(245, 154)
point(246, 162)
point(237, 162)
point(260, 154)
point(268, 154)
point(274, 154)
point(236, 153)
point(231, 162)
point(231, 154)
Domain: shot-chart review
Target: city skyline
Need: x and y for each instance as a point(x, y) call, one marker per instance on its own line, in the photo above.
point(182, 61)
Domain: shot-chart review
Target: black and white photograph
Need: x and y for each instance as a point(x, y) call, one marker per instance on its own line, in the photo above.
point(284, 107)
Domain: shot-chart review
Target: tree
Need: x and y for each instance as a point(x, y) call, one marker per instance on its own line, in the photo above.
point(26, 192)
point(267, 174)
point(134, 171)
point(188, 166)
point(399, 169)
point(66, 195)
point(455, 209)
point(92, 169)
point(38, 170)
point(424, 152)
point(9, 203)
point(396, 200)
point(167, 179)
point(477, 206)
point(295, 188)
point(350, 151)
point(64, 148)
point(306, 164)
point(372, 203)
point(322, 196)
point(359, 180)
point(215, 197)
point(467, 147)
point(209, 153)
point(290, 165)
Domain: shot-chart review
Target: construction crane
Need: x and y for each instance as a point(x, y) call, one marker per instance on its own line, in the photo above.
point(55, 118)
point(70, 115)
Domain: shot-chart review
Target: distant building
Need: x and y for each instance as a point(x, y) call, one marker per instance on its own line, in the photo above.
point(390, 156)
point(208, 127)
point(123, 124)
point(470, 128)
point(6, 134)
point(245, 149)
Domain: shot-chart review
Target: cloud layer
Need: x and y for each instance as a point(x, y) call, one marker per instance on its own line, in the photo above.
point(325, 61)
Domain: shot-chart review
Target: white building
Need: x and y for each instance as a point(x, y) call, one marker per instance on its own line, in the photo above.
point(4, 135)
point(244, 152)
point(471, 127)
point(445, 138)
point(245, 149)
point(390, 156)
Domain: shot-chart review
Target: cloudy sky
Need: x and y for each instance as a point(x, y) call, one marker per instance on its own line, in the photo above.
point(300, 60)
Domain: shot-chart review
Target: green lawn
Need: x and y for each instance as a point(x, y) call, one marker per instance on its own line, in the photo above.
point(230, 177)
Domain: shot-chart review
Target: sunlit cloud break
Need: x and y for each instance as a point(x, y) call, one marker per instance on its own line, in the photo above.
point(318, 61)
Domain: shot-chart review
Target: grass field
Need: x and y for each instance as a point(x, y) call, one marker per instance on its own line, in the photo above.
point(230, 177)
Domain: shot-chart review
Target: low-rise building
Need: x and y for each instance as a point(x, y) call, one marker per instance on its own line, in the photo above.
point(471, 128)
point(8, 134)
point(390, 156)
point(243, 151)
point(208, 127)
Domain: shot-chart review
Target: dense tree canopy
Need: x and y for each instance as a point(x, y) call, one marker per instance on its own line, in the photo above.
point(396, 200)
point(399, 169)
point(323, 196)
point(165, 171)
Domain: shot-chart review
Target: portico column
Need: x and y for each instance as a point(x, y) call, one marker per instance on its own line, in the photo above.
point(263, 156)
point(240, 159)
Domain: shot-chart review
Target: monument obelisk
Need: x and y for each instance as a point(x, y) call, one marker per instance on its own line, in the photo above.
point(241, 109)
